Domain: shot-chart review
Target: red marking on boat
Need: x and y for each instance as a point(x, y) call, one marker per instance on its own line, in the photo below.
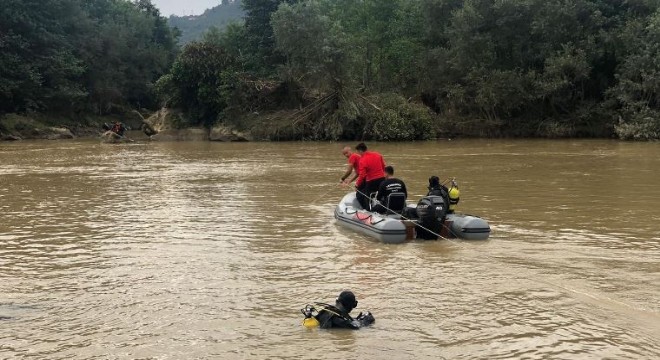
point(365, 218)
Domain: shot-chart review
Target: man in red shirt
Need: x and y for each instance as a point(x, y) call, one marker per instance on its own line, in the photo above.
point(371, 172)
point(353, 160)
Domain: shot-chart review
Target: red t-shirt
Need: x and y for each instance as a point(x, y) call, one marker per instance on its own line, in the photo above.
point(354, 160)
point(371, 167)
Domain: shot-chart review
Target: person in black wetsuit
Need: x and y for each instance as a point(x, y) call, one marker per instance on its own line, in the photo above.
point(388, 186)
point(437, 189)
point(338, 316)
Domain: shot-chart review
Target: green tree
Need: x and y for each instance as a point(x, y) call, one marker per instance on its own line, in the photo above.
point(311, 44)
point(39, 66)
point(517, 60)
point(263, 58)
point(638, 86)
point(232, 38)
point(72, 55)
point(200, 82)
point(127, 47)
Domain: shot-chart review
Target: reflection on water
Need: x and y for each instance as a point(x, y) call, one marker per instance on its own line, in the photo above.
point(209, 250)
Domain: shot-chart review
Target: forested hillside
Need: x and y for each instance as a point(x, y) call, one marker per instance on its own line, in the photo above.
point(193, 27)
point(413, 69)
point(75, 55)
point(331, 69)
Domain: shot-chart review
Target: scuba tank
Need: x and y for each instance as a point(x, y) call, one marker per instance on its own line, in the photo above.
point(310, 314)
point(311, 319)
point(310, 323)
point(454, 196)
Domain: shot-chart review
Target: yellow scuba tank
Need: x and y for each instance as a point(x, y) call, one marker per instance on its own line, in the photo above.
point(454, 196)
point(310, 320)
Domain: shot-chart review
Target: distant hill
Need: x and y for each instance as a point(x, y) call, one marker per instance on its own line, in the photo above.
point(193, 27)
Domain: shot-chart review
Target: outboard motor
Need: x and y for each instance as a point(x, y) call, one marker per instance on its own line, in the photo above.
point(431, 211)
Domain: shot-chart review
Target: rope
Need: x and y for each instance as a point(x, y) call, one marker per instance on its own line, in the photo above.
point(416, 222)
point(533, 279)
point(323, 195)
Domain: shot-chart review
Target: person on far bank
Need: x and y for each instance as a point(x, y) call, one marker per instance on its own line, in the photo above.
point(371, 174)
point(118, 128)
point(389, 186)
point(352, 168)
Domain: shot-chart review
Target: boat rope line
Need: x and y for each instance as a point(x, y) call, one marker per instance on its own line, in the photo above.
point(535, 278)
point(417, 223)
point(323, 195)
point(494, 259)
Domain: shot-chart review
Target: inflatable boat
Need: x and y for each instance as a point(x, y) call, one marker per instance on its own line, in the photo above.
point(427, 220)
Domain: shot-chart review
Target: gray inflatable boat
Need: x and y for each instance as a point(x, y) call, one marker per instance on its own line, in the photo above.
point(427, 220)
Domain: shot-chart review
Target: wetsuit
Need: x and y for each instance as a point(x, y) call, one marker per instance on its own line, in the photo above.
point(336, 317)
point(387, 187)
point(371, 174)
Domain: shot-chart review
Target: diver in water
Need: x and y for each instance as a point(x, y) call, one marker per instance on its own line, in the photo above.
point(337, 316)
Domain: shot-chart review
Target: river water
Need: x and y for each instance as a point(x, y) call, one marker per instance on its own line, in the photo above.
point(200, 250)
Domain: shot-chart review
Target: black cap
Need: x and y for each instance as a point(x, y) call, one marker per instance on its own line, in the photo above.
point(347, 298)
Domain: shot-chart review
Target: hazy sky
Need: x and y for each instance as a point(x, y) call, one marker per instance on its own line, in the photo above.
point(184, 7)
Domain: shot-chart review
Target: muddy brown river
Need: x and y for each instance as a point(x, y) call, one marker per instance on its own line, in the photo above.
point(200, 250)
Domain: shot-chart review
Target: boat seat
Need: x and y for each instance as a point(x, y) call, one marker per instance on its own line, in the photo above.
point(396, 202)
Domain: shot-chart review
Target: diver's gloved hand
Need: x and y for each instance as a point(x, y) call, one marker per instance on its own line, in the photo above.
point(365, 318)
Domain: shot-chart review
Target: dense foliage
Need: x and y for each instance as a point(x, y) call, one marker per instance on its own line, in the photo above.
point(199, 81)
point(496, 68)
point(75, 55)
point(369, 69)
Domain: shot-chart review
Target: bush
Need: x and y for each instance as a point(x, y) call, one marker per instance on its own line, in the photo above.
point(644, 125)
point(393, 118)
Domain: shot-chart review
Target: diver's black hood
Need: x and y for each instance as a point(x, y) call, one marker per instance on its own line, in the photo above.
point(347, 301)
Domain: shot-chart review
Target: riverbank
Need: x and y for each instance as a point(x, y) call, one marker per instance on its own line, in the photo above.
point(57, 126)
point(405, 122)
point(162, 125)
